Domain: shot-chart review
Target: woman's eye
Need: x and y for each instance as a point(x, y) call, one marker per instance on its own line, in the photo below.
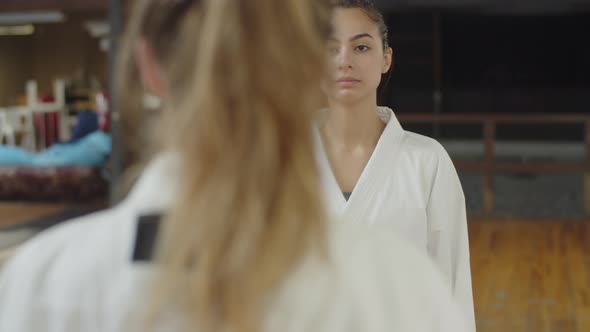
point(362, 48)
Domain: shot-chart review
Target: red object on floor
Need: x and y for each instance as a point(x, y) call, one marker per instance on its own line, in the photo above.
point(102, 108)
point(47, 127)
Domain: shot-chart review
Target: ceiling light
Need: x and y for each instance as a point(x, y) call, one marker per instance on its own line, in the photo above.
point(17, 30)
point(98, 29)
point(16, 18)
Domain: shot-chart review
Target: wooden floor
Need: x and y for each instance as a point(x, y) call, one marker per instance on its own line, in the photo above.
point(14, 213)
point(529, 276)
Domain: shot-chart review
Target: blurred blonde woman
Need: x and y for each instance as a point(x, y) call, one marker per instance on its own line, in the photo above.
point(225, 229)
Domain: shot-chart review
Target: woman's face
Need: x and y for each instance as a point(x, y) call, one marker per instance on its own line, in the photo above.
point(357, 57)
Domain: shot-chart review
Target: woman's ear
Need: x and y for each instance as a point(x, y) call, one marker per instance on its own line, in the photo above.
point(387, 60)
point(150, 71)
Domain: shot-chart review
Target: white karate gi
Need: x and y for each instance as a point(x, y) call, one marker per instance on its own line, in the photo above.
point(80, 276)
point(410, 185)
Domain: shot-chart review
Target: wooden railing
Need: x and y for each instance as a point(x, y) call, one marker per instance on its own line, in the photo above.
point(489, 166)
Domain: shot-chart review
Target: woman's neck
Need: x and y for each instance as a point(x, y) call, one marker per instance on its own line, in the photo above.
point(353, 125)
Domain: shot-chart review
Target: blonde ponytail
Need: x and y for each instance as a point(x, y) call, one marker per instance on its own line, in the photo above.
point(245, 85)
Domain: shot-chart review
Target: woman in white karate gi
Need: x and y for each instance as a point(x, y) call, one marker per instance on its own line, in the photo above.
point(376, 173)
point(230, 205)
